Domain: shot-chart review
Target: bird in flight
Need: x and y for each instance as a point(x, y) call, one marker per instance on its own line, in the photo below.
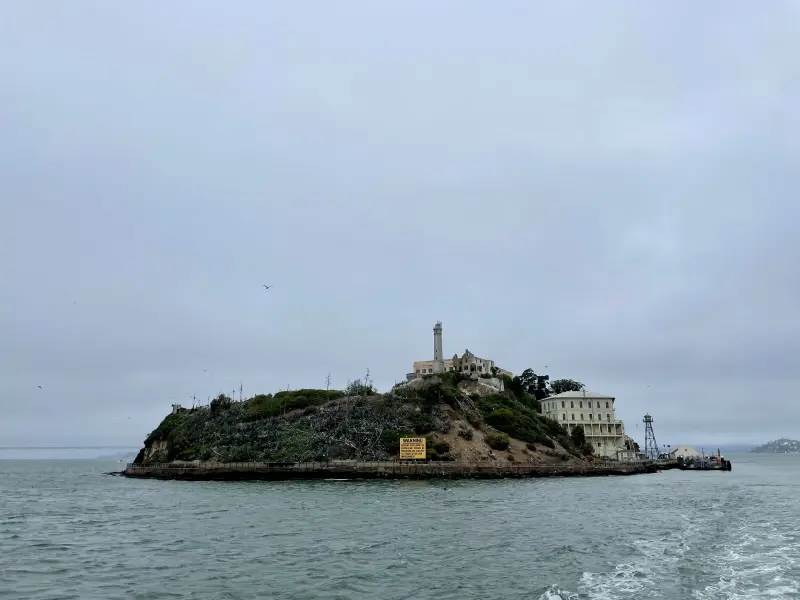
point(40, 387)
point(266, 287)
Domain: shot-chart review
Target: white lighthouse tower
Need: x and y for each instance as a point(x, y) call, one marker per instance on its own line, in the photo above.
point(438, 355)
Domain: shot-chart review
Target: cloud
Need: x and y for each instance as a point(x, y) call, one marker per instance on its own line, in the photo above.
point(563, 185)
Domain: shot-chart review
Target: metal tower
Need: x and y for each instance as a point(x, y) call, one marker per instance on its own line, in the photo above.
point(650, 445)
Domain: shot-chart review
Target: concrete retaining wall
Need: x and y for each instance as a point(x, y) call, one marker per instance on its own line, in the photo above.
point(382, 470)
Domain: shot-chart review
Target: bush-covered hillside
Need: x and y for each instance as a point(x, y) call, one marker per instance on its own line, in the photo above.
point(306, 425)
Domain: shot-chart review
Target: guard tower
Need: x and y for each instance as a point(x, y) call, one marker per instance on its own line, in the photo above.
point(650, 445)
point(438, 355)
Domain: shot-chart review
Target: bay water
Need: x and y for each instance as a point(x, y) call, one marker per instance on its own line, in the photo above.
point(69, 531)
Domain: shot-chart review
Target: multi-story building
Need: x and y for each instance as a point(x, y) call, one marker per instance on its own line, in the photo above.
point(595, 412)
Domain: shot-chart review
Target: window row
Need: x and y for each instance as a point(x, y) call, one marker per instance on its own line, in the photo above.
point(591, 417)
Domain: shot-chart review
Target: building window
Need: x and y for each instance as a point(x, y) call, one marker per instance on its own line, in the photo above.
point(562, 404)
point(608, 417)
point(599, 444)
point(590, 416)
point(606, 404)
point(580, 404)
point(573, 416)
point(480, 368)
point(563, 417)
point(417, 371)
point(571, 404)
point(581, 416)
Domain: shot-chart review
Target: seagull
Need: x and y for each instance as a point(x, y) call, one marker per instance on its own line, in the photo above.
point(266, 287)
point(40, 387)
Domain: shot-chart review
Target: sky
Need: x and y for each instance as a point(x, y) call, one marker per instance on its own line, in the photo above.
point(601, 191)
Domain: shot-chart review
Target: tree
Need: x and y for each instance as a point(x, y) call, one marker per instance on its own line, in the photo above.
point(526, 382)
point(578, 436)
point(220, 403)
point(559, 386)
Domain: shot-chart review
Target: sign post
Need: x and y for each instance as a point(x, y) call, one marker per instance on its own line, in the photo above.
point(412, 448)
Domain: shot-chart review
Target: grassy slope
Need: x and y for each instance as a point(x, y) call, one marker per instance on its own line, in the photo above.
point(306, 425)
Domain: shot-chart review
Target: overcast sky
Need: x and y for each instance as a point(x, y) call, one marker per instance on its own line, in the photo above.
point(608, 189)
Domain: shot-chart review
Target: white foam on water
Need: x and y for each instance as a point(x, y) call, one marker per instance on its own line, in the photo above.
point(555, 593)
point(640, 578)
point(760, 562)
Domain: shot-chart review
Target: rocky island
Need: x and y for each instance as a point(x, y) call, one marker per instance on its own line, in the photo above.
point(464, 421)
point(781, 446)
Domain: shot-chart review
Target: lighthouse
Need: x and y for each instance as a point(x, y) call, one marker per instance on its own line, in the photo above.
point(438, 355)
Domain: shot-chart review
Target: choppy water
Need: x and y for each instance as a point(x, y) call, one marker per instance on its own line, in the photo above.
point(67, 531)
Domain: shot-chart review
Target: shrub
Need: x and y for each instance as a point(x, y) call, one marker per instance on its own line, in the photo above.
point(390, 440)
point(267, 405)
point(439, 391)
point(578, 436)
point(359, 388)
point(467, 434)
point(441, 446)
point(542, 440)
point(502, 418)
point(510, 457)
point(475, 420)
point(566, 443)
point(498, 441)
point(220, 403)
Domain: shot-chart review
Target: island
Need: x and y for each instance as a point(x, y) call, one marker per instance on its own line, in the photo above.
point(470, 428)
point(781, 446)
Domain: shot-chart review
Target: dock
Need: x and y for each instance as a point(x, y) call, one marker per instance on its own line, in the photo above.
point(254, 471)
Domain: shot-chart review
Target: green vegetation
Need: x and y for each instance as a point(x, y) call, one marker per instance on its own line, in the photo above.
point(358, 423)
point(498, 441)
point(522, 421)
point(264, 406)
point(163, 430)
point(578, 438)
point(559, 386)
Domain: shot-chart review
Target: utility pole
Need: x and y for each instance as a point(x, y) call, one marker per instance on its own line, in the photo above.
point(328, 382)
point(366, 380)
point(241, 387)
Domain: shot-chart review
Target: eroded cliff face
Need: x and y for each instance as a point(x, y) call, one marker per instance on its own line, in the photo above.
point(155, 453)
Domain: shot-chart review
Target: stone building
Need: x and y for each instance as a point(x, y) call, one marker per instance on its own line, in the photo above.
point(466, 363)
point(595, 412)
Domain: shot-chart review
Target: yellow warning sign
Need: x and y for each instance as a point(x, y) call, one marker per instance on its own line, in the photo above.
point(412, 448)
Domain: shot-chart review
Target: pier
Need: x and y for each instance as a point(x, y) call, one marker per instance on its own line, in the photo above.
point(210, 471)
